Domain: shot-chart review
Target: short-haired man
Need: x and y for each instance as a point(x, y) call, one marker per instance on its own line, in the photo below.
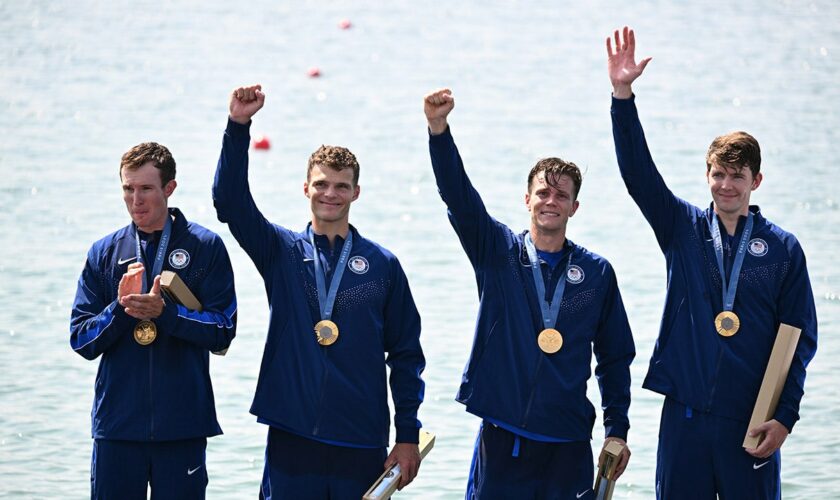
point(154, 408)
point(338, 303)
point(545, 305)
point(733, 277)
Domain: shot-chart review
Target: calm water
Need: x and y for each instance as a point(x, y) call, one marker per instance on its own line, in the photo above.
point(81, 82)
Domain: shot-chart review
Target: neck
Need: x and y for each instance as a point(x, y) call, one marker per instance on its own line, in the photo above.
point(548, 241)
point(156, 226)
point(331, 229)
point(730, 220)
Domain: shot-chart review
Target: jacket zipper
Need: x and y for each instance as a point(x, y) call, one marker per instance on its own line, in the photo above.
point(549, 277)
point(151, 395)
point(724, 283)
point(320, 401)
point(531, 396)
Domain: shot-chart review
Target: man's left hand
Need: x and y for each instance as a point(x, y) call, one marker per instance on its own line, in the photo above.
point(144, 305)
point(774, 436)
point(622, 459)
point(407, 455)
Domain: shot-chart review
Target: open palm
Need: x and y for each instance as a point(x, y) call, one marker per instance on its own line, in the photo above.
point(621, 62)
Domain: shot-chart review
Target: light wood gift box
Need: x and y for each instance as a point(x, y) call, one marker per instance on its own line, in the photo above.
point(774, 380)
point(174, 287)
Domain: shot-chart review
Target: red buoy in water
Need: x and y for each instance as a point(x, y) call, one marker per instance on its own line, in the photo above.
point(261, 142)
point(345, 24)
point(313, 72)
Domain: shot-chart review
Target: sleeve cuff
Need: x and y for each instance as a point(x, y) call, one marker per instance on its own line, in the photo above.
point(169, 316)
point(237, 130)
point(617, 430)
point(408, 435)
point(443, 137)
point(786, 417)
point(121, 318)
point(624, 104)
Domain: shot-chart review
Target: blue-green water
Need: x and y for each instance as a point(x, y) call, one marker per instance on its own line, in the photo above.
point(81, 82)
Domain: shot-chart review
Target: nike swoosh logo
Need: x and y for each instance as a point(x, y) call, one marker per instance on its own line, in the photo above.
point(578, 495)
point(307, 259)
point(758, 466)
point(123, 261)
point(190, 472)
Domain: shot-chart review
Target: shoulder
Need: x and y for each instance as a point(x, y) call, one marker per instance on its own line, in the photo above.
point(107, 243)
point(373, 249)
point(590, 258)
point(368, 253)
point(203, 235)
point(591, 263)
point(771, 235)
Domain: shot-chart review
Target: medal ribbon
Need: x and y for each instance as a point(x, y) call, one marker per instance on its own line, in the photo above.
point(326, 299)
point(550, 312)
point(730, 284)
point(157, 265)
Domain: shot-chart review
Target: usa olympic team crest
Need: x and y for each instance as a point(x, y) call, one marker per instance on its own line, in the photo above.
point(758, 247)
point(179, 258)
point(575, 275)
point(358, 264)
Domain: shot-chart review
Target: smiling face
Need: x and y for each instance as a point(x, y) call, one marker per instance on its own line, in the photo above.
point(145, 197)
point(551, 204)
point(731, 187)
point(330, 194)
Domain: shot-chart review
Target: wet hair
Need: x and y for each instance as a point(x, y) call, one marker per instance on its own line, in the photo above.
point(153, 152)
point(335, 157)
point(735, 150)
point(554, 168)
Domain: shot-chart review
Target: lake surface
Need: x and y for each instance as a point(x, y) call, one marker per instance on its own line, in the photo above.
point(81, 82)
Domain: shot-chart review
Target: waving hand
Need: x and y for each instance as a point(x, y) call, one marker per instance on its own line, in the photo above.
point(621, 63)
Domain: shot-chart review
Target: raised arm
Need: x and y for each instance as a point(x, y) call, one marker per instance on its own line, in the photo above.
point(231, 191)
point(621, 63)
point(644, 183)
point(477, 231)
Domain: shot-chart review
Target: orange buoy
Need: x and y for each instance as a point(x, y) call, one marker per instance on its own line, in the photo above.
point(345, 24)
point(261, 142)
point(313, 72)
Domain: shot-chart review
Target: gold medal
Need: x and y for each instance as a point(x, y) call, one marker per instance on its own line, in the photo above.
point(326, 332)
point(145, 332)
point(727, 323)
point(550, 341)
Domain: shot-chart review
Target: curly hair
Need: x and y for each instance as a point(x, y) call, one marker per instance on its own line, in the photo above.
point(335, 157)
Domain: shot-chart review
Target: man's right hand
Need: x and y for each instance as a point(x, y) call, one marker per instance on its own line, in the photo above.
point(245, 102)
point(437, 106)
point(621, 63)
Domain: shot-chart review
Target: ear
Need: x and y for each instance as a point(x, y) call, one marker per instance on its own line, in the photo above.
point(306, 188)
point(356, 191)
point(757, 181)
point(575, 206)
point(528, 201)
point(169, 188)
